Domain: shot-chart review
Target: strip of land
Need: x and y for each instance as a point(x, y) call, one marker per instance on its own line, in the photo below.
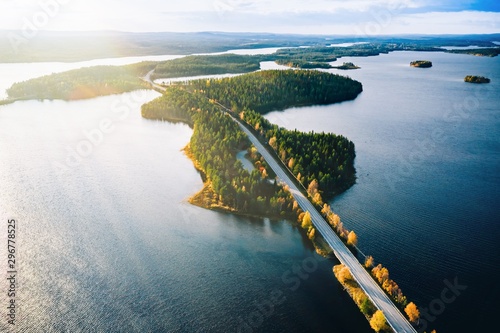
point(393, 316)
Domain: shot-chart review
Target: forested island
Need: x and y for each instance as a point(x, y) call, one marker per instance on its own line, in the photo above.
point(207, 65)
point(421, 63)
point(303, 64)
point(82, 83)
point(476, 79)
point(347, 66)
point(320, 56)
point(90, 82)
point(484, 52)
point(272, 90)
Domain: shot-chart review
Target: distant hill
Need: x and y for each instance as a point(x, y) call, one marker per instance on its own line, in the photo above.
point(18, 46)
point(73, 46)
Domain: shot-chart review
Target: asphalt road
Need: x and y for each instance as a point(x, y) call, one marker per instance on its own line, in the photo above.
point(394, 317)
point(155, 86)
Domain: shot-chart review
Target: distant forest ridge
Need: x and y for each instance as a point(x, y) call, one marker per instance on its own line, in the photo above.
point(18, 46)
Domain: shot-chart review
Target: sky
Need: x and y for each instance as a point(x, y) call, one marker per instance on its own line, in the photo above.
point(329, 17)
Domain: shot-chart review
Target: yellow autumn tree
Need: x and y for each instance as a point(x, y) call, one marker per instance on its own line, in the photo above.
point(306, 221)
point(300, 213)
point(381, 273)
point(369, 262)
point(344, 274)
point(312, 233)
point(272, 143)
point(312, 189)
point(384, 275)
point(412, 312)
point(326, 210)
point(334, 220)
point(352, 239)
point(317, 199)
point(378, 322)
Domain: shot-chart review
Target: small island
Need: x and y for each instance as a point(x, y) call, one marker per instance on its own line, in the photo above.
point(476, 79)
point(303, 64)
point(421, 63)
point(347, 66)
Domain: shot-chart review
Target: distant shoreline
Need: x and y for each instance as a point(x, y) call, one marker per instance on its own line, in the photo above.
point(69, 47)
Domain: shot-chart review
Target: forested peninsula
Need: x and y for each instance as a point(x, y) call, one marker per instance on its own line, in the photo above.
point(323, 163)
point(325, 158)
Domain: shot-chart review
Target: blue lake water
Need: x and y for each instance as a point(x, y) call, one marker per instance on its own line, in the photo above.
point(108, 243)
point(426, 201)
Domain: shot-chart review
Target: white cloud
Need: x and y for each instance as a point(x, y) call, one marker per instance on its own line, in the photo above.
point(292, 16)
point(301, 6)
point(464, 22)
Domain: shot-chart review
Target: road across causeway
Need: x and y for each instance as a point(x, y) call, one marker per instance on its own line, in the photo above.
point(392, 314)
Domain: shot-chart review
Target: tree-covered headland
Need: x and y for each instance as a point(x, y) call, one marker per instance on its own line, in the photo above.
point(324, 157)
point(322, 162)
point(213, 147)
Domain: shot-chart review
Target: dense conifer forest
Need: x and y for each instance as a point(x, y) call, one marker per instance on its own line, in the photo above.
point(325, 158)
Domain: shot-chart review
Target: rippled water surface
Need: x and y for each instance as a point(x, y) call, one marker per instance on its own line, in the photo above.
point(107, 242)
point(428, 165)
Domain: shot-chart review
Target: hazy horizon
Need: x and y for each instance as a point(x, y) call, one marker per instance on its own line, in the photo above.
point(316, 17)
point(259, 33)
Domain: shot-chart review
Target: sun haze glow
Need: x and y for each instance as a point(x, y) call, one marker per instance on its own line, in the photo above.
point(292, 16)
